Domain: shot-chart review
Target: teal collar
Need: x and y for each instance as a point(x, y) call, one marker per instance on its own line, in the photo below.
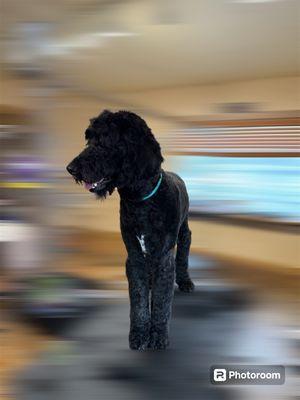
point(154, 190)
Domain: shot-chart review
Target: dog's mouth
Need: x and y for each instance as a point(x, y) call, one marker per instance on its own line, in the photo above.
point(99, 185)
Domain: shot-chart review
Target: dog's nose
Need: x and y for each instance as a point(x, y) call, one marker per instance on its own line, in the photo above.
point(71, 168)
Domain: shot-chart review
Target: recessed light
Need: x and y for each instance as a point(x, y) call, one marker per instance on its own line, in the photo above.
point(116, 34)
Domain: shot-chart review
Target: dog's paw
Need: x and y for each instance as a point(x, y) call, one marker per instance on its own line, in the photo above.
point(158, 340)
point(186, 285)
point(138, 340)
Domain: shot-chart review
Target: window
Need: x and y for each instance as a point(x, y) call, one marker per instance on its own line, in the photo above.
point(248, 170)
point(262, 186)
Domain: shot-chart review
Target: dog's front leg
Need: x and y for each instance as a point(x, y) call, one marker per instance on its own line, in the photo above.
point(163, 273)
point(138, 282)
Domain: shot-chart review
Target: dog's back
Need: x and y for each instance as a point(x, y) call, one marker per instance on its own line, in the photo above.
point(177, 184)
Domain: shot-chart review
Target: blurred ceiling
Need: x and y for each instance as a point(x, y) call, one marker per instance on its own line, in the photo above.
point(137, 45)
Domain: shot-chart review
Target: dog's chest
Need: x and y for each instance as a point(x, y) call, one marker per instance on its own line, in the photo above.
point(143, 222)
point(142, 241)
point(149, 225)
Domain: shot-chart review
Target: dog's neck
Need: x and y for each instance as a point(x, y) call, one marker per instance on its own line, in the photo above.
point(140, 190)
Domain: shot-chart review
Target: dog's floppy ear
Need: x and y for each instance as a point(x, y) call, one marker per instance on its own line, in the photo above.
point(149, 157)
point(144, 151)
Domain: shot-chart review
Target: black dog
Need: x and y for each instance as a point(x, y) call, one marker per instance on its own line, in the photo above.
point(122, 153)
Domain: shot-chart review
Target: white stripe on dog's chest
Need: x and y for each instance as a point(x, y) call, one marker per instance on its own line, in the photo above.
point(141, 239)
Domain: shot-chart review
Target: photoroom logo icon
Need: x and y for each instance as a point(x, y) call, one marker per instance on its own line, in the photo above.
point(219, 375)
point(247, 374)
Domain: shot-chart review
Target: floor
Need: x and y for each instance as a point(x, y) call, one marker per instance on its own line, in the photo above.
point(231, 318)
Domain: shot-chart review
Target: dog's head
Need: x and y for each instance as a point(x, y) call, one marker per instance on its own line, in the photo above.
point(120, 151)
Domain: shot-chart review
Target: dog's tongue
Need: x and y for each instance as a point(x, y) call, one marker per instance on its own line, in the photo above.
point(88, 186)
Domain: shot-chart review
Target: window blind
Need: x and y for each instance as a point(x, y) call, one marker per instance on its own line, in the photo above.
point(274, 140)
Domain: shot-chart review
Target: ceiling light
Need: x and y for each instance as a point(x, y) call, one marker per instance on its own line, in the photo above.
point(88, 40)
point(116, 34)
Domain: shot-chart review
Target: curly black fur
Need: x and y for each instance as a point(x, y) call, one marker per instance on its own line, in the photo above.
point(122, 153)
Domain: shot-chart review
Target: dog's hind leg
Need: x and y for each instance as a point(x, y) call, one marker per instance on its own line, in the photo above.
point(183, 279)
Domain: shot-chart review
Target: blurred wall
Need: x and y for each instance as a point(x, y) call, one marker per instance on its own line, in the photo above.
point(271, 248)
point(271, 95)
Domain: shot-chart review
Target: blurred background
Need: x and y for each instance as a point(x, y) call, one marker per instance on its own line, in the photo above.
point(217, 81)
